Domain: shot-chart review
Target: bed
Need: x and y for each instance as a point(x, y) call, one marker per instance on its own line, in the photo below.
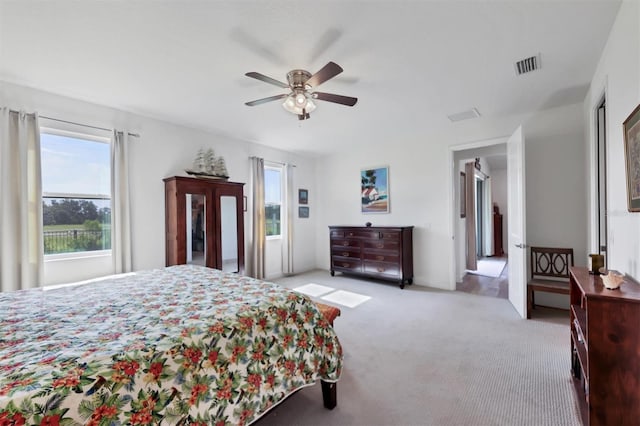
point(180, 345)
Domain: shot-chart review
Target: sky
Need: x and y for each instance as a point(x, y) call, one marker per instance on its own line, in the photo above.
point(272, 186)
point(75, 166)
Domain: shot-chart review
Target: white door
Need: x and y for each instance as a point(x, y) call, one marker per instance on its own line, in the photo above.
point(517, 223)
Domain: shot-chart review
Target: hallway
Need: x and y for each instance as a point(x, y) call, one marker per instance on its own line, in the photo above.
point(486, 286)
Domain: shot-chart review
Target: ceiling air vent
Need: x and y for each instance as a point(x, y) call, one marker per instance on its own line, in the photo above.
point(527, 65)
point(464, 115)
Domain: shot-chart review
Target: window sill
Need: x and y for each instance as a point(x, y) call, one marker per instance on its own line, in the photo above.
point(76, 256)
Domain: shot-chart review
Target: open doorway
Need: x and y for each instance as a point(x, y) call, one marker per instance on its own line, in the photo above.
point(489, 275)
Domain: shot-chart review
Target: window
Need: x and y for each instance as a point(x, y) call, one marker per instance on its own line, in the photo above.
point(273, 200)
point(76, 192)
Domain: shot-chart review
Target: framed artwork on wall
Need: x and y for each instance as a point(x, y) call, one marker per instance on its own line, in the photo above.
point(463, 195)
point(374, 190)
point(303, 196)
point(631, 128)
point(303, 212)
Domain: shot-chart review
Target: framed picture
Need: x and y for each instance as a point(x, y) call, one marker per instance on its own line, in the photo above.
point(463, 195)
point(303, 196)
point(303, 212)
point(632, 159)
point(374, 190)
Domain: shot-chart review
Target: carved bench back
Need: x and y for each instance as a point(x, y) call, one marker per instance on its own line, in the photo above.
point(550, 262)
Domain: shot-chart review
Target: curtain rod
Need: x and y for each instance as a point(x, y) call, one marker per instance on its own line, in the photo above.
point(271, 161)
point(483, 174)
point(135, 135)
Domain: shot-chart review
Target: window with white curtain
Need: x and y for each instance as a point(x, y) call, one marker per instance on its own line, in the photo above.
point(76, 193)
point(273, 200)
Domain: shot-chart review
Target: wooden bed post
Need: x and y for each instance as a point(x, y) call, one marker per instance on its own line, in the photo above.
point(329, 395)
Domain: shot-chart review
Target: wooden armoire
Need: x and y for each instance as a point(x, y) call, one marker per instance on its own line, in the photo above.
point(204, 223)
point(498, 249)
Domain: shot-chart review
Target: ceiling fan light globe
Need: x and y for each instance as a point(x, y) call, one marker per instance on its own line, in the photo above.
point(310, 106)
point(293, 105)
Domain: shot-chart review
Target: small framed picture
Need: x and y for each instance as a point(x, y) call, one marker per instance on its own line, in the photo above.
point(303, 212)
point(631, 128)
point(374, 190)
point(303, 196)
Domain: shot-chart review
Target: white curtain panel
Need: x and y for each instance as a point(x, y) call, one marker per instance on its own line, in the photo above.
point(287, 229)
point(258, 237)
point(21, 240)
point(121, 205)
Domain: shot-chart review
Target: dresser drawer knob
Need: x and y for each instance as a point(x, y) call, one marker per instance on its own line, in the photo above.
point(346, 243)
point(380, 257)
point(345, 265)
point(345, 253)
point(380, 246)
point(380, 269)
point(351, 234)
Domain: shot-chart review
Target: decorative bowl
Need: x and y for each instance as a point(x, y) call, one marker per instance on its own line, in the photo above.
point(612, 280)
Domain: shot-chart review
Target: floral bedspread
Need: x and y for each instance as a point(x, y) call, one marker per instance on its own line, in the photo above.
point(181, 345)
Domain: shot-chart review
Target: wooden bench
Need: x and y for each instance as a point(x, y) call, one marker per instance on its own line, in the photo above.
point(549, 272)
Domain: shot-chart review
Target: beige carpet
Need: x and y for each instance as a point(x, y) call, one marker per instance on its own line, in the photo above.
point(420, 356)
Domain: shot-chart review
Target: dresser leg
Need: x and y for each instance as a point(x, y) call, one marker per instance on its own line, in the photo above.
point(333, 273)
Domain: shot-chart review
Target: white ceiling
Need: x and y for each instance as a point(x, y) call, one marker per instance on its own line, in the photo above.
point(410, 63)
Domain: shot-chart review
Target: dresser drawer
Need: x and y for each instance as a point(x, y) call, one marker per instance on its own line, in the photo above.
point(382, 257)
point(380, 235)
point(353, 233)
point(338, 242)
point(390, 270)
point(346, 264)
point(337, 233)
point(381, 245)
point(346, 252)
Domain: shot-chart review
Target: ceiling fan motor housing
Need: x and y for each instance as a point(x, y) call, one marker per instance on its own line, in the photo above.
point(298, 78)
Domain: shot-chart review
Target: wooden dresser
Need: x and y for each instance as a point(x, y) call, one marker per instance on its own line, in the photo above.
point(605, 349)
point(384, 252)
point(498, 250)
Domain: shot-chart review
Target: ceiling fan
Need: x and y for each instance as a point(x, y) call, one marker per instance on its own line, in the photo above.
point(300, 99)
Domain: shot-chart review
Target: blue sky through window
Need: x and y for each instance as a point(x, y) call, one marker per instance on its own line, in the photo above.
point(272, 186)
point(74, 166)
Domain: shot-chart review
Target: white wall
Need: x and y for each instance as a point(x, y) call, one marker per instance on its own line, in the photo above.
point(420, 186)
point(617, 74)
point(556, 187)
point(418, 196)
point(163, 150)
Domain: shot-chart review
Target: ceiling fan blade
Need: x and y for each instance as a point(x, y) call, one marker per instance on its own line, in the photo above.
point(328, 71)
point(265, 100)
point(266, 79)
point(338, 99)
